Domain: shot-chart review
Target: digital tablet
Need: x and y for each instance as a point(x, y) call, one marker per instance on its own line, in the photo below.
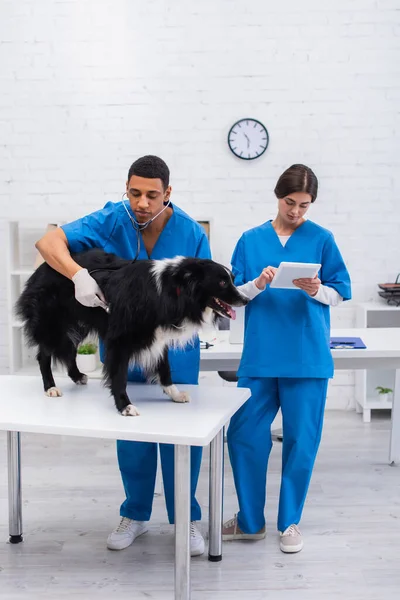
point(287, 271)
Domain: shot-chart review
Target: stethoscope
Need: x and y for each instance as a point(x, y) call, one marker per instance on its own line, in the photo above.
point(139, 227)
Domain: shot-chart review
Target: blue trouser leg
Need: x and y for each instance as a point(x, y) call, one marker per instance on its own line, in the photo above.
point(138, 466)
point(249, 438)
point(302, 405)
point(249, 444)
point(138, 460)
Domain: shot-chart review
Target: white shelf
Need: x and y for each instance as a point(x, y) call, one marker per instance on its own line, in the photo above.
point(378, 306)
point(21, 260)
point(27, 272)
point(374, 315)
point(373, 403)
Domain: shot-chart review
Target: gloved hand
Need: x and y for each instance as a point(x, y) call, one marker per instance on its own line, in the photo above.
point(87, 292)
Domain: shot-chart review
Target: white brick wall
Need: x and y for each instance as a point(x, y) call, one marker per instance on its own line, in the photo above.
point(88, 86)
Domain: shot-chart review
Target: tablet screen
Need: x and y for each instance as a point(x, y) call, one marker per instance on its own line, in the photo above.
point(287, 271)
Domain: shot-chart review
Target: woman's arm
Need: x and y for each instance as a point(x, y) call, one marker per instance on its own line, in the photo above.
point(251, 289)
point(322, 293)
point(334, 285)
point(328, 295)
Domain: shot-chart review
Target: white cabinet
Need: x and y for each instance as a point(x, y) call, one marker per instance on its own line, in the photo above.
point(21, 261)
point(20, 265)
point(374, 315)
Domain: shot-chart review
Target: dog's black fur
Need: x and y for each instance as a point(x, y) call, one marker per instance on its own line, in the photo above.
point(152, 304)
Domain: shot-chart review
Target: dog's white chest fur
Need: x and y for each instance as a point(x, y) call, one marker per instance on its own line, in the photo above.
point(166, 337)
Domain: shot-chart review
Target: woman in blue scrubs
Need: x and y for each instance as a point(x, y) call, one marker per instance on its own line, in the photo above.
point(144, 225)
point(286, 359)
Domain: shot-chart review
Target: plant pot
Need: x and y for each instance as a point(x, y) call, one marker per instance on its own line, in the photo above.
point(86, 362)
point(385, 397)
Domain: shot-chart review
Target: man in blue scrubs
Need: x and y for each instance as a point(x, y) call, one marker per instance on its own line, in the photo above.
point(144, 225)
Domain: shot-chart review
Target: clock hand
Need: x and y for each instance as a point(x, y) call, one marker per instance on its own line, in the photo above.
point(248, 140)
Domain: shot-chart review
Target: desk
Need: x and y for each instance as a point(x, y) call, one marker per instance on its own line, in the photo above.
point(382, 352)
point(90, 412)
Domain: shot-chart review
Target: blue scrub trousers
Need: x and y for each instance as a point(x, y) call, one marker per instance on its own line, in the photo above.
point(302, 402)
point(138, 465)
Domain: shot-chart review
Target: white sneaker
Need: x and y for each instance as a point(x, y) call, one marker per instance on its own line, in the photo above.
point(126, 533)
point(291, 540)
point(196, 541)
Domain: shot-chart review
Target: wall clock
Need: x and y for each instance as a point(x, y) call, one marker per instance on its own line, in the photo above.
point(248, 139)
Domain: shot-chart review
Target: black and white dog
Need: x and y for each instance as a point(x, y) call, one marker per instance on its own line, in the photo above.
point(153, 305)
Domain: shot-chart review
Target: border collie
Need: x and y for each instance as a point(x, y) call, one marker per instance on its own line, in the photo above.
point(153, 304)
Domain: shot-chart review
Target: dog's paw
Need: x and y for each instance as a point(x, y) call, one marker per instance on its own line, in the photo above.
point(53, 392)
point(130, 411)
point(82, 380)
point(175, 395)
point(181, 397)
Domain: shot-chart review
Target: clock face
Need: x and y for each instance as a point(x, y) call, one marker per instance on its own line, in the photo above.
point(248, 139)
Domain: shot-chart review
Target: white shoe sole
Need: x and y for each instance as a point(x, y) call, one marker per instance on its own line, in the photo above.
point(243, 536)
point(291, 549)
point(123, 547)
point(198, 551)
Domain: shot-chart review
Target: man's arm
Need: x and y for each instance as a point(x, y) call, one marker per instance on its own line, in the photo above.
point(55, 250)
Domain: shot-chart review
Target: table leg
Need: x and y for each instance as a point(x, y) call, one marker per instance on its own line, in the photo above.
point(14, 486)
point(182, 522)
point(158, 488)
point(216, 488)
point(394, 447)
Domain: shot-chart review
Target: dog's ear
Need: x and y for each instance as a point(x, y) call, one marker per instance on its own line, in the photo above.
point(193, 272)
point(190, 278)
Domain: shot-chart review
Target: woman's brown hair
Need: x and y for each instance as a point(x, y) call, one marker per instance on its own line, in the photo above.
point(297, 178)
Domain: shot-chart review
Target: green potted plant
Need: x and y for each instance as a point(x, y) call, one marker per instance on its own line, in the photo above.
point(385, 394)
point(86, 357)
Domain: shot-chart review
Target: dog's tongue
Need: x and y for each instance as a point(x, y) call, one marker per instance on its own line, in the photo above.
point(231, 312)
point(228, 309)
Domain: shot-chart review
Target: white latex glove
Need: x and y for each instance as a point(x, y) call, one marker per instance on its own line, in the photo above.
point(87, 292)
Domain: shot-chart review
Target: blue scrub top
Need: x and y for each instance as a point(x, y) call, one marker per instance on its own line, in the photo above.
point(287, 332)
point(111, 229)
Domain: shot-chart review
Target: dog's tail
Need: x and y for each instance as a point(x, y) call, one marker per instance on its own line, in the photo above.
point(39, 302)
point(27, 310)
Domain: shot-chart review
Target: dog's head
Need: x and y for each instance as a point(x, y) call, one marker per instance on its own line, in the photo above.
point(209, 285)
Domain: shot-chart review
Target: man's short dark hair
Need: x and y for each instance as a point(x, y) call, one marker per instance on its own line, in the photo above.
point(150, 167)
